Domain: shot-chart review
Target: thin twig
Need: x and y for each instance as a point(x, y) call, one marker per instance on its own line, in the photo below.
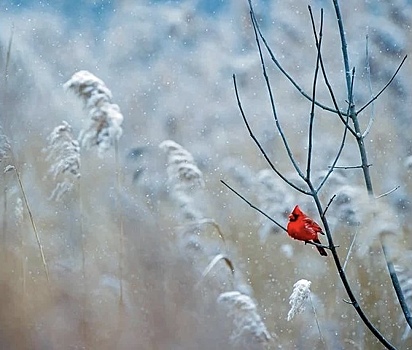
point(320, 245)
point(332, 95)
point(345, 55)
point(314, 86)
point(387, 193)
point(272, 101)
point(397, 286)
point(328, 205)
point(352, 112)
point(329, 87)
point(338, 154)
point(258, 143)
point(352, 83)
point(346, 167)
point(385, 87)
point(253, 206)
point(283, 71)
point(368, 76)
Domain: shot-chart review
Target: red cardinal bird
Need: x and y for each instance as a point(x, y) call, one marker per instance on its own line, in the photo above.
point(303, 228)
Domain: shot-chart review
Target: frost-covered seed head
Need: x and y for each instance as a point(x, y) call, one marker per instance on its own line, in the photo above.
point(181, 169)
point(89, 88)
point(64, 154)
point(106, 119)
point(298, 298)
point(246, 320)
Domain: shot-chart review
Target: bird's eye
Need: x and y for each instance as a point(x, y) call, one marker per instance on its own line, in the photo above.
point(293, 217)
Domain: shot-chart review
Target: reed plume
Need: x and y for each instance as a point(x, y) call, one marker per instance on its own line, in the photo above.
point(246, 319)
point(63, 151)
point(105, 127)
point(299, 297)
point(184, 178)
point(103, 132)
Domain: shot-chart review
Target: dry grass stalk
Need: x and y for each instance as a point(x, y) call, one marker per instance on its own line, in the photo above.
point(214, 261)
point(247, 322)
point(105, 128)
point(104, 131)
point(64, 153)
point(36, 233)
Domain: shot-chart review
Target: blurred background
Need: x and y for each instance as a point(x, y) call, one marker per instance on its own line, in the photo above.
point(169, 66)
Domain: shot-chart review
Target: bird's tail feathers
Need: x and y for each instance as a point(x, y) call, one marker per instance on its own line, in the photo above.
point(321, 250)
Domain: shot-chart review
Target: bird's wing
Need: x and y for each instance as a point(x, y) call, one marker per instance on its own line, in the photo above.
point(312, 225)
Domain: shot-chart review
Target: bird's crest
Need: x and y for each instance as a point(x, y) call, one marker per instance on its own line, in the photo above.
point(297, 211)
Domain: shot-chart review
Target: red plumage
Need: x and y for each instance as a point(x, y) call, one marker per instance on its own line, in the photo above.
point(303, 228)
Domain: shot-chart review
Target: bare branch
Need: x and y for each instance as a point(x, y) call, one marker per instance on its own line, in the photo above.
point(342, 145)
point(350, 115)
point(332, 94)
point(387, 193)
point(259, 145)
point(345, 55)
point(365, 168)
point(314, 86)
point(320, 245)
point(351, 104)
point(346, 167)
point(272, 101)
point(283, 71)
point(253, 206)
point(328, 205)
point(397, 286)
point(345, 122)
point(385, 87)
point(368, 76)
